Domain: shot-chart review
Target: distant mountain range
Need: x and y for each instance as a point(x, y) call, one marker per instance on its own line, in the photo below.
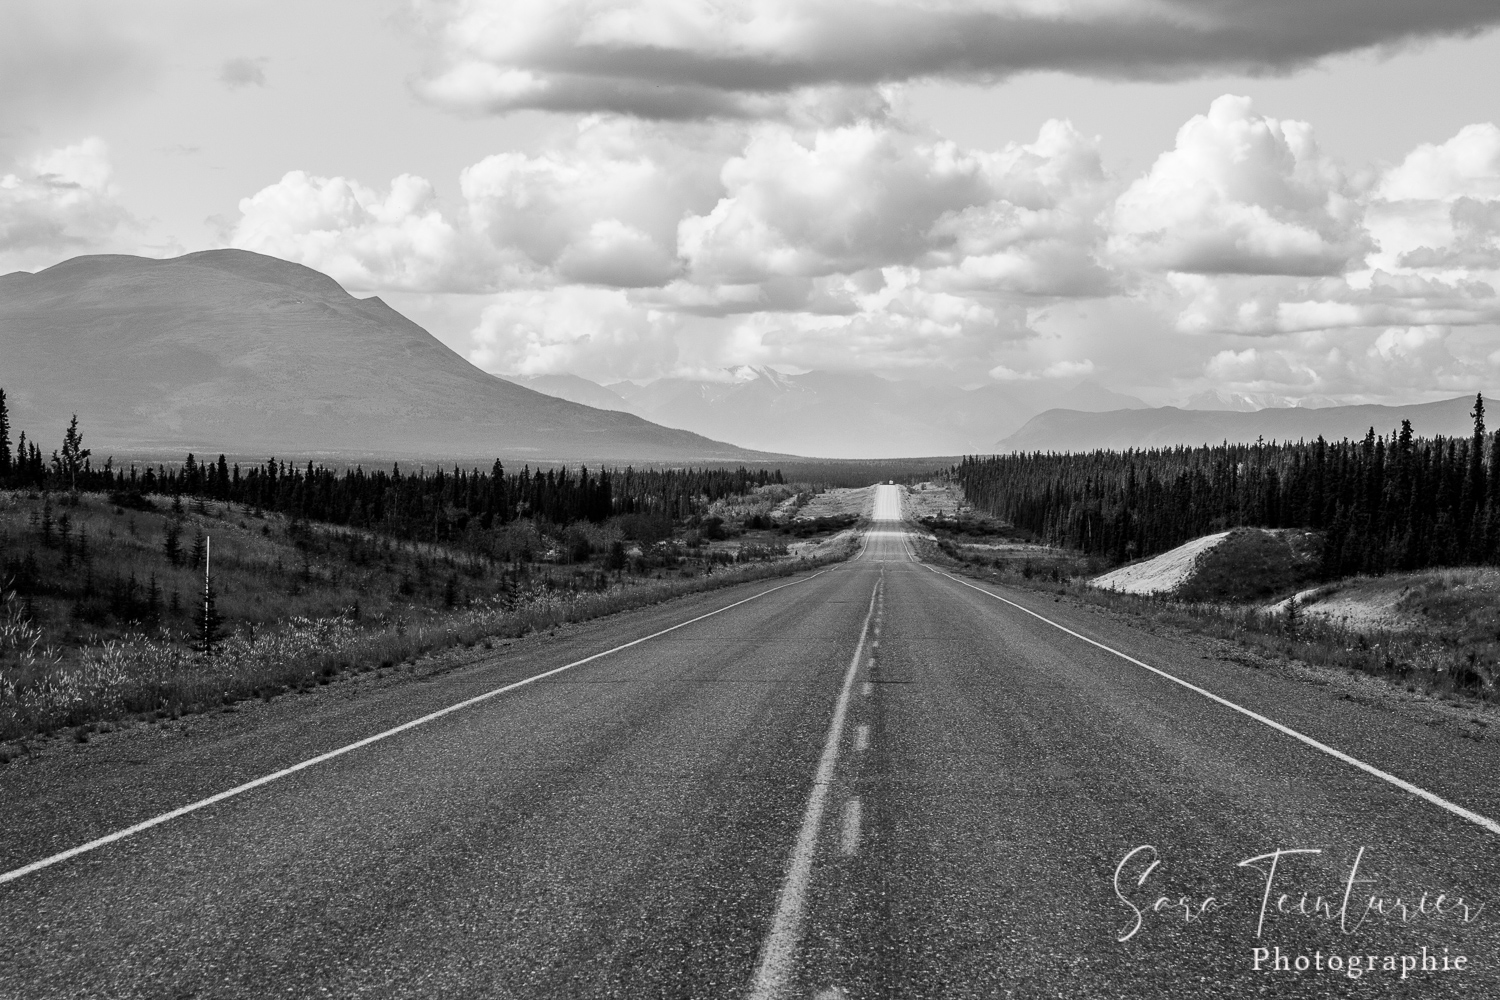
point(231, 351)
point(1248, 402)
point(236, 352)
point(847, 415)
point(1073, 430)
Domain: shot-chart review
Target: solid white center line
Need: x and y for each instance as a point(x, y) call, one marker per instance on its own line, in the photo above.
point(849, 834)
point(779, 951)
point(131, 831)
point(862, 738)
point(1473, 817)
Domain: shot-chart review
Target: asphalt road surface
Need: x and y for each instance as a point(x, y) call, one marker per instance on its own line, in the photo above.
point(873, 781)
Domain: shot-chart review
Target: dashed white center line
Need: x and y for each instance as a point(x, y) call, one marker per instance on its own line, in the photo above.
point(779, 952)
point(862, 738)
point(867, 689)
point(849, 834)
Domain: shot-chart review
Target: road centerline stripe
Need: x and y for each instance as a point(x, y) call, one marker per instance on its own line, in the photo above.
point(780, 947)
point(849, 838)
point(166, 817)
point(1473, 817)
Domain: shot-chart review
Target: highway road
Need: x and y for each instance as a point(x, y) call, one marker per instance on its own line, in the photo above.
point(878, 780)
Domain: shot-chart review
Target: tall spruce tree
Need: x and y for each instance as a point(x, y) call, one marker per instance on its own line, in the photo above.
point(74, 454)
point(4, 439)
point(1474, 491)
point(1492, 501)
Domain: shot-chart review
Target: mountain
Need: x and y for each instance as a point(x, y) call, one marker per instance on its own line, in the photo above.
point(1248, 402)
point(572, 387)
point(845, 414)
point(231, 351)
point(1071, 430)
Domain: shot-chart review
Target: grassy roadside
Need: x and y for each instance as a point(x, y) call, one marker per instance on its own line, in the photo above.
point(1455, 664)
point(158, 675)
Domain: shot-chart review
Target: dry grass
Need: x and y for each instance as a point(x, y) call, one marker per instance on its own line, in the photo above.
point(838, 503)
point(757, 506)
point(142, 674)
point(302, 602)
point(933, 500)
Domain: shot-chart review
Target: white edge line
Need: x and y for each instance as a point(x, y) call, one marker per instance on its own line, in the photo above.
point(165, 817)
point(1401, 783)
point(780, 946)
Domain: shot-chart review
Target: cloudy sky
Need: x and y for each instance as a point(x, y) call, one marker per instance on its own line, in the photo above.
point(1277, 196)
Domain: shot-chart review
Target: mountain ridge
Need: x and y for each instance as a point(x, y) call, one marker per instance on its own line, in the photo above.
point(855, 415)
point(1167, 426)
point(232, 351)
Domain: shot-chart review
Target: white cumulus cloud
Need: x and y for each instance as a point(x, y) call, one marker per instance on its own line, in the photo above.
point(61, 199)
point(1241, 194)
point(593, 332)
point(838, 201)
point(1243, 258)
point(602, 208)
point(361, 237)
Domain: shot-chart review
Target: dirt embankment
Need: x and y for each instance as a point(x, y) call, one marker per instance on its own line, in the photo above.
point(1238, 565)
point(1449, 602)
point(932, 500)
point(1161, 574)
point(839, 502)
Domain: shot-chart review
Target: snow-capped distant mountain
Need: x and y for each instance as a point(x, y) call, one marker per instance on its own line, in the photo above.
point(1250, 402)
point(843, 414)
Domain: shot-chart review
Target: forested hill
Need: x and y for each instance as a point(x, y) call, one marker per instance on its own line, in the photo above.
point(238, 352)
point(1166, 426)
point(1383, 502)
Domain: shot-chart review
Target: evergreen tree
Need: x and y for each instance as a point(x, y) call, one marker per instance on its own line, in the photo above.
point(1292, 621)
point(73, 453)
point(1492, 500)
point(1474, 485)
point(153, 602)
point(47, 522)
point(4, 439)
point(172, 543)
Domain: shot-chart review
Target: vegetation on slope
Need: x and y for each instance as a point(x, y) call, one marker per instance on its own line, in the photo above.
point(103, 604)
point(1384, 503)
